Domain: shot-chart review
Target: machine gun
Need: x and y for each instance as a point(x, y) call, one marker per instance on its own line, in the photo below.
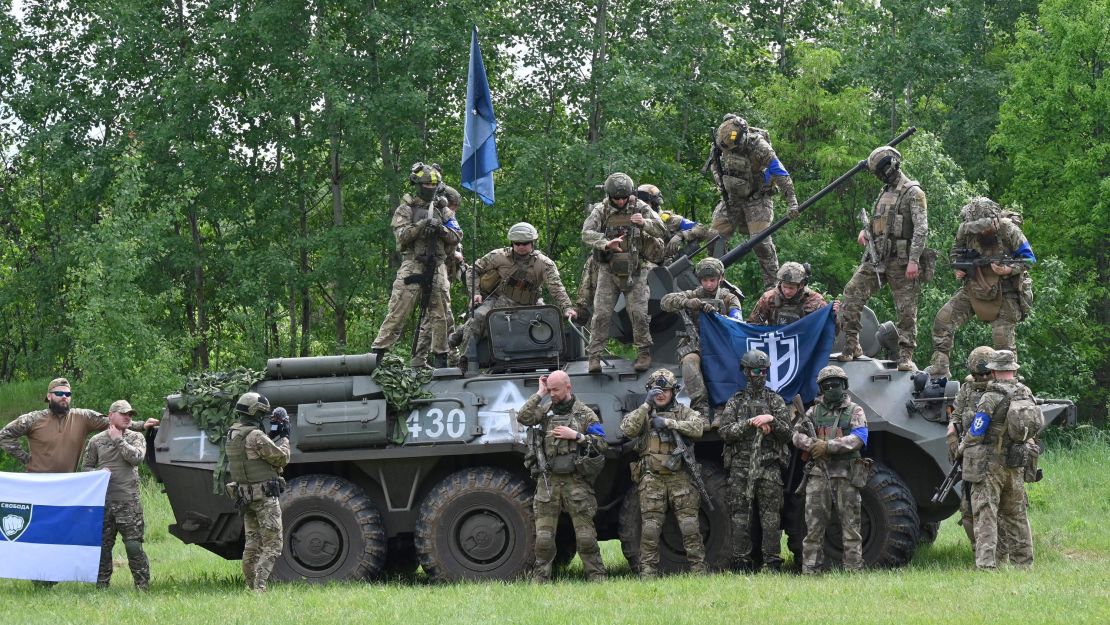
point(968, 259)
point(682, 452)
point(954, 475)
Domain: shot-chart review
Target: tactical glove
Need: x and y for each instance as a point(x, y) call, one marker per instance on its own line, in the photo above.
point(708, 307)
point(953, 444)
point(793, 212)
point(655, 392)
point(819, 450)
point(658, 423)
point(674, 245)
point(694, 305)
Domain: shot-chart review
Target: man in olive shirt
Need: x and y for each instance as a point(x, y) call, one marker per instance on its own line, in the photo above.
point(55, 436)
point(120, 452)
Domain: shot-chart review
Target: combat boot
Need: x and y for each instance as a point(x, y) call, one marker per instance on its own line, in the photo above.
point(439, 361)
point(851, 350)
point(643, 360)
point(939, 368)
point(455, 339)
point(380, 352)
point(595, 364)
point(905, 360)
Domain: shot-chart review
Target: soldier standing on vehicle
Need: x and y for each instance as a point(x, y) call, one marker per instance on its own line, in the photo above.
point(617, 231)
point(510, 277)
point(565, 462)
point(747, 172)
point(996, 449)
point(894, 241)
point(424, 240)
point(120, 452)
point(755, 426)
point(831, 435)
point(255, 462)
point(456, 266)
point(963, 411)
point(788, 301)
point(999, 292)
point(709, 298)
point(661, 476)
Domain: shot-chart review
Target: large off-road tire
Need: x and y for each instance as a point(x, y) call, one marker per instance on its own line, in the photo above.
point(715, 528)
point(890, 526)
point(477, 524)
point(928, 533)
point(332, 532)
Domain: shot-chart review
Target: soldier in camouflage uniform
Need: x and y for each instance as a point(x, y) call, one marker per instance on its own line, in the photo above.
point(998, 500)
point(662, 477)
point(512, 276)
point(756, 429)
point(830, 436)
point(423, 237)
point(747, 172)
point(972, 389)
point(448, 202)
point(709, 298)
point(120, 451)
point(56, 436)
point(999, 294)
point(618, 230)
point(573, 440)
point(255, 462)
point(897, 231)
point(790, 300)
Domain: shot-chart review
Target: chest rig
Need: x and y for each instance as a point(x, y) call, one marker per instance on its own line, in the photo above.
point(425, 245)
point(561, 454)
point(891, 223)
point(520, 281)
point(833, 423)
point(657, 446)
point(786, 311)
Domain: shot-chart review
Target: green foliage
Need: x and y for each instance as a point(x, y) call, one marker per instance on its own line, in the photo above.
point(401, 385)
point(210, 398)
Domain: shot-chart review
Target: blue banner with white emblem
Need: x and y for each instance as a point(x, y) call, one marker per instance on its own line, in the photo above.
point(797, 352)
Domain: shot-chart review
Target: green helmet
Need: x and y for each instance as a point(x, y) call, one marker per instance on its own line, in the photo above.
point(980, 208)
point(792, 272)
point(523, 232)
point(832, 372)
point(661, 378)
point(978, 358)
point(883, 161)
point(425, 174)
point(650, 193)
point(731, 132)
point(619, 185)
point(253, 405)
point(710, 268)
point(755, 359)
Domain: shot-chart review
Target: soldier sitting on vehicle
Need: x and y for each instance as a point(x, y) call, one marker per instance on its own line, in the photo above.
point(789, 300)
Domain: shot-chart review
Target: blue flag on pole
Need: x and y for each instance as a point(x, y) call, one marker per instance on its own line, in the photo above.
point(797, 351)
point(479, 155)
point(51, 525)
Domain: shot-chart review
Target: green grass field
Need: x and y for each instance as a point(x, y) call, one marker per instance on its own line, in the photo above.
point(1070, 582)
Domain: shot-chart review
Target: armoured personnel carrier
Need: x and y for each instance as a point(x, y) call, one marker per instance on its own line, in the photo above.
point(454, 496)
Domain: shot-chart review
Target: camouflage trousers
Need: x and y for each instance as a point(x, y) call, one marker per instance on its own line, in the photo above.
point(958, 311)
point(587, 286)
point(424, 341)
point(609, 287)
point(262, 528)
point(765, 502)
point(999, 506)
point(821, 494)
point(475, 327)
point(967, 519)
point(570, 493)
point(695, 383)
point(863, 285)
point(126, 519)
point(656, 490)
point(748, 217)
point(404, 298)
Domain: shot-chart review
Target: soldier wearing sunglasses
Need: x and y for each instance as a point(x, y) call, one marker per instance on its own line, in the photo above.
point(56, 435)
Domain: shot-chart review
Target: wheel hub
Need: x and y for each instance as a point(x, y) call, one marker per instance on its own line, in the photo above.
point(316, 543)
point(482, 536)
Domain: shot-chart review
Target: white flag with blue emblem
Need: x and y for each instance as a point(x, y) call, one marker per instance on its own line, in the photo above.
point(51, 525)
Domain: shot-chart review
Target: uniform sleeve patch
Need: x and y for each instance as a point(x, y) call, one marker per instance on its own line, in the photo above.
point(979, 424)
point(595, 429)
point(860, 433)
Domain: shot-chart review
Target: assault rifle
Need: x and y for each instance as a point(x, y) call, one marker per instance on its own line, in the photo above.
point(968, 259)
point(871, 252)
point(425, 278)
point(954, 475)
point(535, 442)
point(681, 450)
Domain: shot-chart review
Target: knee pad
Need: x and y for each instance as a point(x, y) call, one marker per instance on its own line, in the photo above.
point(689, 525)
point(134, 548)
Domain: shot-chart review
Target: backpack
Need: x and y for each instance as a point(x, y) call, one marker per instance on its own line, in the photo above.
point(1024, 418)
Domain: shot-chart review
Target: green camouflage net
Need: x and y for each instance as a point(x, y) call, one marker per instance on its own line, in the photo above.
point(210, 398)
point(401, 384)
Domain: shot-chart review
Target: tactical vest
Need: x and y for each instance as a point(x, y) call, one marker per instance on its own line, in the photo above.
point(561, 454)
point(986, 288)
point(786, 311)
point(892, 223)
point(522, 285)
point(625, 261)
point(834, 423)
point(245, 470)
point(425, 244)
point(655, 446)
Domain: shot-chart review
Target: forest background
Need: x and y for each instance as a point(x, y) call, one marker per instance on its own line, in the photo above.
point(202, 185)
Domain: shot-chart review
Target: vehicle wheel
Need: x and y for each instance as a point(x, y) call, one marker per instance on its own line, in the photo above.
point(477, 524)
point(715, 528)
point(889, 522)
point(332, 531)
point(928, 533)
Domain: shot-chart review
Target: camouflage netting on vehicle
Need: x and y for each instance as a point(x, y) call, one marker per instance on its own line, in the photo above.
point(401, 384)
point(210, 398)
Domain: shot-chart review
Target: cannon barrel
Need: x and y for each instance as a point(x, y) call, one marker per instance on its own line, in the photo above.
point(320, 366)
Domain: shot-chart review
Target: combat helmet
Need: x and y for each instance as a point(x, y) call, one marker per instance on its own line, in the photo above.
point(619, 185)
point(662, 378)
point(710, 268)
point(523, 232)
point(731, 132)
point(253, 405)
point(755, 359)
point(454, 198)
point(832, 372)
point(980, 208)
point(884, 161)
point(650, 193)
point(425, 174)
point(792, 272)
point(978, 358)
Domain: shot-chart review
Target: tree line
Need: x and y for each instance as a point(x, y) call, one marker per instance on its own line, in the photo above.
point(195, 185)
